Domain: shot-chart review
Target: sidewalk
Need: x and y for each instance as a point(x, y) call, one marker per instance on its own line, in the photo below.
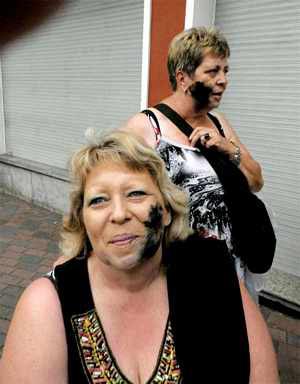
point(28, 247)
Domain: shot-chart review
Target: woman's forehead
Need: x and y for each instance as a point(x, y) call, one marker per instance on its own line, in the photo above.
point(117, 172)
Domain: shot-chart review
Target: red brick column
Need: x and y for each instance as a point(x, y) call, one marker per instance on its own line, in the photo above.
point(167, 20)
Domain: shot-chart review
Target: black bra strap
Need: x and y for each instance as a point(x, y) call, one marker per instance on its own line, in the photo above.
point(154, 123)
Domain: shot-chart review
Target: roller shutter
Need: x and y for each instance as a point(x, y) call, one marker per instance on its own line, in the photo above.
point(80, 69)
point(263, 105)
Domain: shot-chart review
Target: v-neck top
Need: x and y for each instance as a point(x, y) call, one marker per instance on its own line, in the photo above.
point(200, 319)
point(96, 357)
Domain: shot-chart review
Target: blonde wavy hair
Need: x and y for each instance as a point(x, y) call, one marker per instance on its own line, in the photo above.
point(188, 48)
point(129, 150)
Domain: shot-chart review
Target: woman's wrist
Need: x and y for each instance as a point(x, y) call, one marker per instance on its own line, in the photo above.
point(235, 155)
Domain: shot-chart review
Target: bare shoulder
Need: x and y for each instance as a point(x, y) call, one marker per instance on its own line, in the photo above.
point(220, 116)
point(140, 125)
point(262, 355)
point(40, 295)
point(35, 349)
point(227, 127)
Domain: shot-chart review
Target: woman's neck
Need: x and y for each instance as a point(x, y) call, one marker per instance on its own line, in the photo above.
point(130, 281)
point(186, 108)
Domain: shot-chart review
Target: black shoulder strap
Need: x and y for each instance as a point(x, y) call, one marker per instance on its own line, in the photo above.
point(182, 124)
point(175, 118)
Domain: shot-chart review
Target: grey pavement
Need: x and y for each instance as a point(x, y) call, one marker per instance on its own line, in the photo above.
point(28, 247)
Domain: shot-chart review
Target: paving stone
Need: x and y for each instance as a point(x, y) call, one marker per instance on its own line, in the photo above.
point(4, 324)
point(11, 262)
point(5, 269)
point(5, 312)
point(289, 350)
point(10, 255)
point(8, 300)
point(278, 334)
point(30, 259)
point(3, 245)
point(25, 282)
point(22, 274)
point(39, 243)
point(42, 235)
point(35, 252)
point(12, 290)
point(30, 225)
point(2, 285)
point(53, 248)
point(18, 247)
point(2, 339)
point(10, 279)
point(8, 231)
point(30, 267)
point(265, 311)
point(281, 321)
point(293, 339)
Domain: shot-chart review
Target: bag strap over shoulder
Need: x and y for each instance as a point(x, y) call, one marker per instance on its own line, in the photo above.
point(175, 118)
point(182, 124)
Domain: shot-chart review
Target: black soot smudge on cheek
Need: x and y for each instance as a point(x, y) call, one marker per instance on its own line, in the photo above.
point(154, 229)
point(200, 93)
point(155, 218)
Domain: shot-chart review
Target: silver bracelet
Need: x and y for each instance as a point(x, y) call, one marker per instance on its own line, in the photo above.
point(236, 156)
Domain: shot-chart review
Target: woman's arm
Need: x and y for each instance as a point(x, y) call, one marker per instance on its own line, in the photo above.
point(263, 365)
point(35, 350)
point(140, 125)
point(249, 166)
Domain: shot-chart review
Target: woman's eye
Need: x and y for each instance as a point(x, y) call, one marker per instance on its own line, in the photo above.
point(136, 194)
point(97, 200)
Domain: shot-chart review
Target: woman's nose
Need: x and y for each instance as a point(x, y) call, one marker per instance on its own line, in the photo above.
point(119, 211)
point(222, 78)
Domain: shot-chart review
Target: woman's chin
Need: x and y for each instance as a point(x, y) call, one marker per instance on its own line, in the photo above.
point(126, 263)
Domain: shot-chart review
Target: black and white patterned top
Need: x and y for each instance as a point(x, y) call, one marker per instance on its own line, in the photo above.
point(189, 169)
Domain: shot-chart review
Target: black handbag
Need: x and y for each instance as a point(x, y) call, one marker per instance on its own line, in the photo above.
point(253, 236)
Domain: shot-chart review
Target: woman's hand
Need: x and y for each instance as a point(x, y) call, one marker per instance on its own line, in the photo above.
point(210, 137)
point(250, 168)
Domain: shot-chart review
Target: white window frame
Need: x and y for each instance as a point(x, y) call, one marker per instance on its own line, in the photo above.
point(199, 13)
point(2, 119)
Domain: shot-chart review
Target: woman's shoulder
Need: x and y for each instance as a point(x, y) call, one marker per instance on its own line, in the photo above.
point(39, 293)
point(36, 302)
point(29, 345)
point(140, 125)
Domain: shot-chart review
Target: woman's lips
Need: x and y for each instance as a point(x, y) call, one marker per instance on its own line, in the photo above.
point(123, 239)
point(217, 96)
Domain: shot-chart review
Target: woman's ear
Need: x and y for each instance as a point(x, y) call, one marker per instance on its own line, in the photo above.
point(167, 219)
point(181, 80)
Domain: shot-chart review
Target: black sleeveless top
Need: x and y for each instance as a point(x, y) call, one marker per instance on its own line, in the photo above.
point(207, 324)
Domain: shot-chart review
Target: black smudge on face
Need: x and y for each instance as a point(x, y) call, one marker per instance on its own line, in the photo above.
point(154, 230)
point(155, 217)
point(200, 93)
